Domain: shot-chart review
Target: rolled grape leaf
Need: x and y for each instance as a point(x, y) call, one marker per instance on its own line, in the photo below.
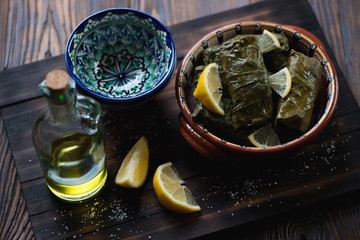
point(221, 125)
point(197, 72)
point(212, 55)
point(296, 108)
point(213, 121)
point(284, 42)
point(278, 58)
point(246, 77)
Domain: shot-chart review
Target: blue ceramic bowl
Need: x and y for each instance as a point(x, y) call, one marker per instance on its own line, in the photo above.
point(120, 56)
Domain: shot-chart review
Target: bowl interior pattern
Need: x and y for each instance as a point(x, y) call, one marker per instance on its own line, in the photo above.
point(301, 40)
point(120, 54)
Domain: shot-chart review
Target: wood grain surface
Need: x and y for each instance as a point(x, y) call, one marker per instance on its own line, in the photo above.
point(119, 213)
point(33, 30)
point(14, 217)
point(340, 22)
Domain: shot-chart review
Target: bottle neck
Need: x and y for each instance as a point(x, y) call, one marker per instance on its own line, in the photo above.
point(61, 105)
point(64, 110)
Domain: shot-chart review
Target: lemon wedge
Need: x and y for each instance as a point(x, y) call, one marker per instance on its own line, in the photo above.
point(209, 89)
point(264, 137)
point(281, 82)
point(268, 42)
point(133, 170)
point(170, 191)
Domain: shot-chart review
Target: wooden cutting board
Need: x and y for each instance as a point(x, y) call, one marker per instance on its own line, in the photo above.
point(229, 196)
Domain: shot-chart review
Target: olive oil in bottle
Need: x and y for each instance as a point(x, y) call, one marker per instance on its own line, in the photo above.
point(68, 138)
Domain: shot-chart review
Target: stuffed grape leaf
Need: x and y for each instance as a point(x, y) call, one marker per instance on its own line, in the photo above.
point(296, 108)
point(278, 58)
point(246, 77)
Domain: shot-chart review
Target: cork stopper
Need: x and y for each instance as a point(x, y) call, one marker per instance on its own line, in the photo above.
point(57, 81)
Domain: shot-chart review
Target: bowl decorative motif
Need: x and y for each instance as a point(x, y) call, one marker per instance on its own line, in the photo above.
point(120, 55)
point(218, 147)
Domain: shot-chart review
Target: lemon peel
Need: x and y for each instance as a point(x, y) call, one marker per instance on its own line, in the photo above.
point(171, 192)
point(209, 89)
point(133, 170)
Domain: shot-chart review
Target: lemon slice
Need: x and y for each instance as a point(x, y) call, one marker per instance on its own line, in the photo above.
point(264, 137)
point(281, 82)
point(134, 168)
point(209, 89)
point(170, 191)
point(268, 42)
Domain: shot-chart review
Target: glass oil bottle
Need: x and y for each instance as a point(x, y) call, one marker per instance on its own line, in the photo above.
point(69, 140)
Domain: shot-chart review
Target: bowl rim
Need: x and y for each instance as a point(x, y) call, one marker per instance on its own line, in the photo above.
point(153, 91)
point(332, 98)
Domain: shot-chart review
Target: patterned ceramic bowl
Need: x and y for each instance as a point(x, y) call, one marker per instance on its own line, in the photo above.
point(218, 147)
point(120, 56)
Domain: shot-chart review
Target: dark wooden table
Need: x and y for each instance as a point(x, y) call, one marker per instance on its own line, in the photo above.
point(313, 194)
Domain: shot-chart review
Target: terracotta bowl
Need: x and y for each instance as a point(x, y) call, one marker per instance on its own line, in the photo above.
point(120, 56)
point(218, 148)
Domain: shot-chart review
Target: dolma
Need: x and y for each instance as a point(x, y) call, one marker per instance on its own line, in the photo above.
point(278, 58)
point(296, 108)
point(212, 55)
point(221, 125)
point(218, 124)
point(197, 72)
point(246, 77)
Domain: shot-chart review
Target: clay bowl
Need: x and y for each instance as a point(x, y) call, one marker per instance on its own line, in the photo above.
point(121, 57)
point(218, 147)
